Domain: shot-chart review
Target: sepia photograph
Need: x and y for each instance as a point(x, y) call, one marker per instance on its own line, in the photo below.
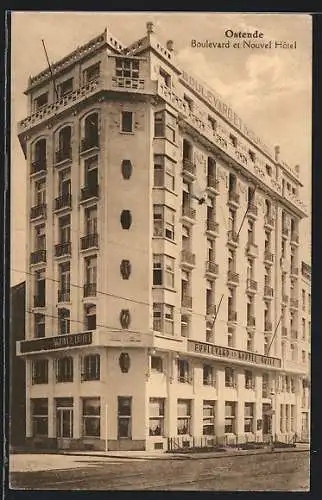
point(160, 270)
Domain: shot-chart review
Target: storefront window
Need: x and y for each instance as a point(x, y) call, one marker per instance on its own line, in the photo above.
point(156, 417)
point(39, 412)
point(124, 417)
point(230, 414)
point(249, 417)
point(184, 416)
point(208, 418)
point(91, 417)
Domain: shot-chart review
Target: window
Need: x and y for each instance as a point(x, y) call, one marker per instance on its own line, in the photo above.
point(163, 270)
point(156, 417)
point(293, 352)
point(39, 412)
point(208, 375)
point(231, 337)
point(184, 416)
point(40, 192)
point(164, 173)
point(168, 319)
point(233, 140)
point(157, 269)
point(230, 414)
point(39, 152)
point(90, 317)
point(293, 418)
point(64, 229)
point(163, 318)
point(40, 237)
point(250, 232)
point(268, 170)
point(65, 87)
point(91, 220)
point(212, 123)
point(249, 417)
point(292, 381)
point(184, 375)
point(165, 77)
point(91, 172)
point(283, 249)
point(230, 377)
point(303, 357)
point(41, 101)
point(64, 183)
point(64, 369)
point(187, 150)
point(91, 367)
point(265, 385)
point(208, 424)
point(252, 155)
point(309, 303)
point(40, 288)
point(163, 222)
point(188, 101)
point(159, 124)
point(39, 320)
point(157, 364)
point(127, 68)
point(64, 279)
point(91, 417)
point(91, 270)
point(127, 122)
point(303, 300)
point(249, 381)
point(64, 144)
point(63, 321)
point(282, 418)
point(90, 132)
point(250, 341)
point(210, 251)
point(40, 371)
point(124, 416)
point(91, 73)
point(231, 220)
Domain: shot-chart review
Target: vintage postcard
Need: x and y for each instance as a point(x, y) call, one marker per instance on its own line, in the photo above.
point(161, 251)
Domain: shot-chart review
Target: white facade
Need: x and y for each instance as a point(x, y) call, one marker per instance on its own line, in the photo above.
point(170, 250)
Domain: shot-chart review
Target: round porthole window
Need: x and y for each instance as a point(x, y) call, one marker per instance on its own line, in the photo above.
point(126, 169)
point(126, 219)
point(125, 318)
point(125, 269)
point(124, 362)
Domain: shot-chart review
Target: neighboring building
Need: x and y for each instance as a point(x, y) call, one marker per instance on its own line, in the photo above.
point(305, 346)
point(17, 381)
point(155, 300)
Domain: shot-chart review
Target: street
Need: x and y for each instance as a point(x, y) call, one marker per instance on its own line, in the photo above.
point(286, 471)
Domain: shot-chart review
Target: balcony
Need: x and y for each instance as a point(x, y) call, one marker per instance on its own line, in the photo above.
point(62, 249)
point(90, 290)
point(251, 285)
point(294, 334)
point(188, 259)
point(89, 143)
point(284, 299)
point(268, 292)
point(232, 316)
point(63, 154)
point(213, 184)
point(212, 268)
point(38, 256)
point(233, 198)
point(212, 227)
point(185, 379)
point(63, 295)
point(188, 168)
point(252, 210)
point(188, 212)
point(38, 211)
point(268, 326)
point(89, 192)
point(186, 301)
point(38, 166)
point(233, 277)
point(285, 232)
point(252, 249)
point(269, 222)
point(89, 241)
point(294, 303)
point(295, 239)
point(63, 201)
point(284, 331)
point(251, 321)
point(294, 271)
point(268, 257)
point(39, 301)
point(233, 238)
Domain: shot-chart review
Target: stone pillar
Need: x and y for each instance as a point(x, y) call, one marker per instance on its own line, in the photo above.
point(220, 406)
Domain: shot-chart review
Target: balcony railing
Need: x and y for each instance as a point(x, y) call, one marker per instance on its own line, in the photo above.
point(188, 167)
point(89, 143)
point(210, 381)
point(63, 249)
point(251, 284)
point(39, 166)
point(233, 197)
point(250, 384)
point(186, 301)
point(39, 301)
point(269, 221)
point(63, 154)
point(63, 295)
point(185, 379)
point(294, 303)
point(89, 289)
point(232, 237)
point(284, 331)
point(295, 238)
point(268, 291)
point(233, 277)
point(89, 241)
point(89, 192)
point(128, 83)
point(268, 326)
point(268, 256)
point(212, 226)
point(63, 201)
point(212, 267)
point(252, 209)
point(251, 321)
point(38, 211)
point(212, 182)
point(232, 315)
point(188, 212)
point(188, 258)
point(38, 256)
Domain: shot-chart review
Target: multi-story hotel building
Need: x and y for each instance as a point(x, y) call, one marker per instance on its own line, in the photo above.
point(163, 280)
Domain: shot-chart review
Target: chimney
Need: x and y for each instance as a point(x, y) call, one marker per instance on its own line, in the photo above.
point(170, 45)
point(277, 153)
point(149, 28)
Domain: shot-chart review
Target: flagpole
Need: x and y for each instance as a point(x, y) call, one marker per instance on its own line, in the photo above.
point(50, 69)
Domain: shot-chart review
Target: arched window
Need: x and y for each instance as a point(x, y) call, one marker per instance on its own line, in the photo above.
point(39, 156)
point(64, 150)
point(90, 133)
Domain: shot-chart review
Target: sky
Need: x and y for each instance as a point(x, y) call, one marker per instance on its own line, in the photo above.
point(270, 89)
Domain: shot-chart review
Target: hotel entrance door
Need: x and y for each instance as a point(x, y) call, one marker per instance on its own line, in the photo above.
point(64, 422)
